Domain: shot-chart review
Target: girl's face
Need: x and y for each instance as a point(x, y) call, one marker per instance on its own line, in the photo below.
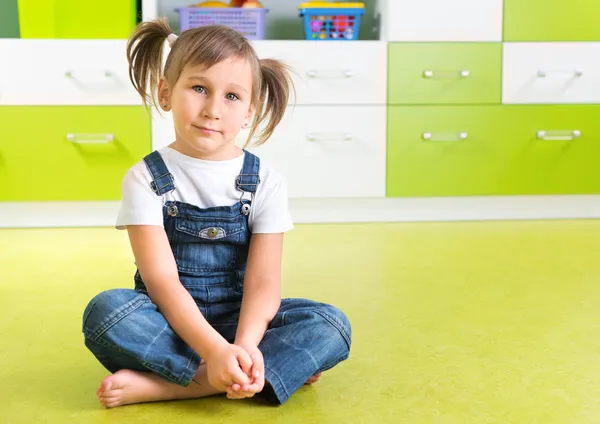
point(210, 107)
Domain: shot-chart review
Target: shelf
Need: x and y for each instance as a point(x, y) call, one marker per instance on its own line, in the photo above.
point(283, 21)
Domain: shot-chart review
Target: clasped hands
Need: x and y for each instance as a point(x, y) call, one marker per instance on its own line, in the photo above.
point(237, 369)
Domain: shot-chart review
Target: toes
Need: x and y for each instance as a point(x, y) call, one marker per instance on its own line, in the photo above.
point(110, 401)
point(106, 385)
point(112, 404)
point(314, 378)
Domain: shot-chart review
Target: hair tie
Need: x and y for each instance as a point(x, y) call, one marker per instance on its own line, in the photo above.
point(171, 38)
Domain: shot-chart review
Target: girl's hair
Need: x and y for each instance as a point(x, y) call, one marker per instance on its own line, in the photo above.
point(208, 46)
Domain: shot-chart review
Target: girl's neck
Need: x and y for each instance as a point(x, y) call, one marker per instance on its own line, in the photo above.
point(226, 153)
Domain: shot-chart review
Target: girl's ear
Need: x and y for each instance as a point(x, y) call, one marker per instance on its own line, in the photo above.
point(164, 94)
point(249, 115)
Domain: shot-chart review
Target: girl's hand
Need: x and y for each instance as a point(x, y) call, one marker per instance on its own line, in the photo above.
point(256, 375)
point(228, 365)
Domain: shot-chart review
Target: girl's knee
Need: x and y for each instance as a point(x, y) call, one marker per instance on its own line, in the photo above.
point(338, 322)
point(105, 306)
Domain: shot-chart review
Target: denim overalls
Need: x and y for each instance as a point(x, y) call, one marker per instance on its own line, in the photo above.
point(125, 330)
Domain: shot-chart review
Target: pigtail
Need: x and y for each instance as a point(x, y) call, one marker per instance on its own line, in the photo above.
point(273, 98)
point(145, 57)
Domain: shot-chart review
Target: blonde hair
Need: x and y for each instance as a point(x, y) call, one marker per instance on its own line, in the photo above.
point(208, 46)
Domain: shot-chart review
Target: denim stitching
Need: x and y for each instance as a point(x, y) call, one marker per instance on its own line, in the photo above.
point(165, 374)
point(280, 385)
point(119, 314)
point(333, 321)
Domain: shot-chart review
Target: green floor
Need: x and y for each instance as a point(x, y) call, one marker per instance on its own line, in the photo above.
point(453, 323)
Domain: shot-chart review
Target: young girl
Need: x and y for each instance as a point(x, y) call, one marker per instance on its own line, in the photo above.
point(205, 221)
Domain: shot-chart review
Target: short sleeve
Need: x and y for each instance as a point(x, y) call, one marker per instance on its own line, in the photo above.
point(139, 204)
point(270, 212)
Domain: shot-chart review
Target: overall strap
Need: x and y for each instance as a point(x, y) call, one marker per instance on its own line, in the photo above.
point(248, 178)
point(162, 180)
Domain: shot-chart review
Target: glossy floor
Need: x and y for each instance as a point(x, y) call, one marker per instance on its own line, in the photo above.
point(495, 322)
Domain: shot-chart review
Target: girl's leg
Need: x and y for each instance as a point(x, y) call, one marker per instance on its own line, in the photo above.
point(304, 339)
point(132, 339)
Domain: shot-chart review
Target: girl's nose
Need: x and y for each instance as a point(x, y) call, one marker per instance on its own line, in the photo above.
point(212, 109)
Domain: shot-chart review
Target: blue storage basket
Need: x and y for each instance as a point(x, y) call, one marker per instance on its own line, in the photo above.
point(331, 23)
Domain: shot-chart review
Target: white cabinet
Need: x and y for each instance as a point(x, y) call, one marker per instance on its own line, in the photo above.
point(330, 151)
point(65, 72)
point(551, 73)
point(332, 72)
point(441, 20)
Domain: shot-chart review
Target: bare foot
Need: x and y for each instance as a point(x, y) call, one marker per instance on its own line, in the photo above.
point(127, 387)
point(314, 378)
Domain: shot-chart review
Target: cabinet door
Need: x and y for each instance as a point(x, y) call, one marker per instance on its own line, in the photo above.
point(559, 20)
point(69, 153)
point(333, 73)
point(444, 73)
point(557, 149)
point(9, 19)
point(65, 72)
point(444, 20)
point(330, 151)
point(551, 73)
point(493, 150)
point(77, 18)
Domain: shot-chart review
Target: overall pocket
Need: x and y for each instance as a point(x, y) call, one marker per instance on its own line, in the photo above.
point(208, 245)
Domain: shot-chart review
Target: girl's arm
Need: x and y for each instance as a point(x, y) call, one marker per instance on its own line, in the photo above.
point(262, 288)
point(155, 261)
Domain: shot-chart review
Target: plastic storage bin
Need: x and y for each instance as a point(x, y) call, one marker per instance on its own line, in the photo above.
point(248, 21)
point(331, 20)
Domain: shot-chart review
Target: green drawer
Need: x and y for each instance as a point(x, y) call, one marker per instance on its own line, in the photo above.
point(39, 163)
point(77, 18)
point(501, 154)
point(445, 73)
point(9, 19)
point(558, 20)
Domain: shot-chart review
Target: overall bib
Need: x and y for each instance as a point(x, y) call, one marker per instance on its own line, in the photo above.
point(125, 330)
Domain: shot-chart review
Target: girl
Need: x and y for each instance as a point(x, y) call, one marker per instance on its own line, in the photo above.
point(205, 221)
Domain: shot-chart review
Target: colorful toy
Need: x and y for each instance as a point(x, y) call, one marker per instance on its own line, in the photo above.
point(245, 3)
point(331, 20)
point(211, 4)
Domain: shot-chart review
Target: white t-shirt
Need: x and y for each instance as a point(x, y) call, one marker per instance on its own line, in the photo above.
point(204, 184)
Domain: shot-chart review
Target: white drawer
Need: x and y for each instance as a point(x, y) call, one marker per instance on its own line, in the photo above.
point(65, 72)
point(333, 72)
point(567, 72)
point(441, 20)
point(330, 151)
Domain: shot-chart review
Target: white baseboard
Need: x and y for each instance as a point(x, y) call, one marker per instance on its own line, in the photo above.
point(103, 214)
point(446, 209)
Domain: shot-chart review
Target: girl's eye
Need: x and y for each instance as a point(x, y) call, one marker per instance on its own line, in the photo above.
point(198, 89)
point(232, 96)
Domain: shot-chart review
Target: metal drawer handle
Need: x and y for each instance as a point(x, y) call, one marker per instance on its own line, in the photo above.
point(558, 135)
point(445, 137)
point(329, 136)
point(330, 73)
point(465, 73)
point(574, 73)
point(71, 74)
point(90, 138)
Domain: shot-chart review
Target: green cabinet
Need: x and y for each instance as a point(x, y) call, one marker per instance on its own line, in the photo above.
point(444, 73)
point(493, 150)
point(9, 19)
point(77, 18)
point(543, 20)
point(69, 153)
